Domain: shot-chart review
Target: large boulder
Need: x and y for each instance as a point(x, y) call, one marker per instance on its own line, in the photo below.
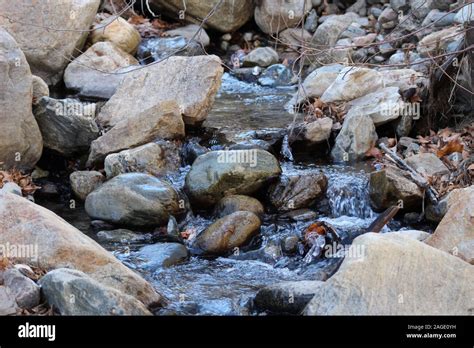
point(117, 31)
point(356, 137)
point(293, 192)
point(67, 125)
point(227, 233)
point(21, 144)
point(455, 233)
point(60, 245)
point(190, 81)
point(161, 121)
point(133, 199)
point(390, 186)
point(273, 16)
point(72, 292)
point(157, 159)
point(392, 274)
point(220, 173)
point(352, 83)
point(382, 106)
point(228, 16)
point(49, 33)
point(98, 71)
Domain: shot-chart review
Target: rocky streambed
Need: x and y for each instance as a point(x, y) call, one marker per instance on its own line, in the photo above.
point(286, 157)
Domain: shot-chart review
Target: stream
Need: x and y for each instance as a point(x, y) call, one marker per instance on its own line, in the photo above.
point(226, 285)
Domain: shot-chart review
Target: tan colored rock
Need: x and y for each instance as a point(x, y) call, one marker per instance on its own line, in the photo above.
point(84, 182)
point(352, 83)
point(192, 82)
point(98, 72)
point(295, 38)
point(427, 164)
point(60, 245)
point(455, 233)
point(396, 275)
point(162, 120)
point(327, 34)
point(233, 203)
point(191, 32)
point(40, 89)
point(118, 31)
point(21, 143)
point(437, 42)
point(228, 233)
point(273, 16)
point(318, 131)
point(390, 185)
point(228, 17)
point(59, 32)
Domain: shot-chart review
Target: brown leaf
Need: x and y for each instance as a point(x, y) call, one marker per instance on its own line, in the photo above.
point(449, 148)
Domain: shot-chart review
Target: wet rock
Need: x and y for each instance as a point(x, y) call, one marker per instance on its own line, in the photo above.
point(40, 89)
point(272, 18)
point(11, 187)
point(161, 121)
point(21, 145)
point(98, 72)
point(73, 292)
point(290, 244)
point(356, 137)
point(159, 48)
point(455, 233)
point(297, 191)
point(191, 32)
point(133, 199)
point(318, 82)
point(162, 255)
point(190, 81)
point(286, 297)
point(67, 125)
point(8, 304)
point(435, 213)
point(191, 151)
point(301, 215)
point(427, 164)
point(62, 245)
point(122, 236)
point(261, 56)
point(48, 51)
point(329, 31)
point(220, 173)
point(157, 159)
point(382, 106)
point(24, 290)
point(352, 83)
point(227, 233)
point(118, 31)
point(390, 185)
point(277, 75)
point(399, 283)
point(228, 17)
point(84, 182)
point(234, 203)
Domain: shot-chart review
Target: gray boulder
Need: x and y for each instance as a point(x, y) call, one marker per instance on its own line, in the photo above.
point(73, 292)
point(133, 199)
point(162, 255)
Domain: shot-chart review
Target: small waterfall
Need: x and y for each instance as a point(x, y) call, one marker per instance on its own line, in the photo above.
point(348, 195)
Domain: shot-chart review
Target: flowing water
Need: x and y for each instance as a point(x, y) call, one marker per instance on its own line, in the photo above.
point(226, 285)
